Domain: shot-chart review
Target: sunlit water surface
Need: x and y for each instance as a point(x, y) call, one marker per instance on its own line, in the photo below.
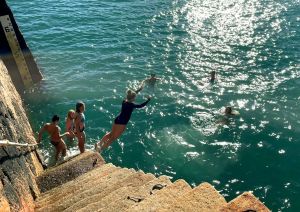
point(93, 50)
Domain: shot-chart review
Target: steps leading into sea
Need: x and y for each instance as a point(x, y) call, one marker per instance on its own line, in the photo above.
point(105, 187)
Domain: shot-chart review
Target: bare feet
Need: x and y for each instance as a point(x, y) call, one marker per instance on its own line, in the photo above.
point(98, 147)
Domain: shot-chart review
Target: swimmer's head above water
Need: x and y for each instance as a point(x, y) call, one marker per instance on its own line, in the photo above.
point(130, 96)
point(152, 75)
point(230, 111)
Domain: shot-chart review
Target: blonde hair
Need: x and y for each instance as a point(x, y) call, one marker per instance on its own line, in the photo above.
point(69, 114)
point(130, 95)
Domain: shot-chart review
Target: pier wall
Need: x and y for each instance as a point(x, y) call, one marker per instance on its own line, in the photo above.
point(19, 166)
point(15, 53)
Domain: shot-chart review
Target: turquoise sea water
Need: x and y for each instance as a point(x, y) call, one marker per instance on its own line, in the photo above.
point(93, 50)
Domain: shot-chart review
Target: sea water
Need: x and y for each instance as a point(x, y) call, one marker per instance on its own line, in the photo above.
point(94, 50)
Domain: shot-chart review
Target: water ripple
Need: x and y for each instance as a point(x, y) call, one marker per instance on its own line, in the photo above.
point(94, 50)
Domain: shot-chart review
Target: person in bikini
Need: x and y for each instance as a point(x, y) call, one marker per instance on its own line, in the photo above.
point(80, 125)
point(70, 125)
point(55, 137)
point(121, 121)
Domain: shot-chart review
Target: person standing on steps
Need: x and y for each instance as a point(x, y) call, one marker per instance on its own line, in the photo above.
point(120, 121)
point(80, 125)
point(55, 137)
point(70, 125)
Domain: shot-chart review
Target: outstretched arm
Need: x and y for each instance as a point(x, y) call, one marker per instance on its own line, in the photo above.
point(62, 135)
point(141, 87)
point(143, 104)
point(57, 132)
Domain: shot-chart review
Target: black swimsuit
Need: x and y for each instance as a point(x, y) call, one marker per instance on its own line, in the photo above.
point(126, 111)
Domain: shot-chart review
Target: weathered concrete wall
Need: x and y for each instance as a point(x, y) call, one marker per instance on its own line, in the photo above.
point(18, 165)
point(6, 52)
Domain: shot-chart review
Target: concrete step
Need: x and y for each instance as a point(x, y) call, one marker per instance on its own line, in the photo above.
point(63, 201)
point(99, 190)
point(86, 177)
point(73, 186)
point(106, 188)
point(135, 195)
point(4, 205)
point(93, 185)
point(162, 197)
point(202, 198)
point(90, 189)
point(69, 170)
point(245, 202)
point(113, 192)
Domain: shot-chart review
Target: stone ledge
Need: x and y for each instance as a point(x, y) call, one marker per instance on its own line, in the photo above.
point(4, 205)
point(245, 202)
point(68, 170)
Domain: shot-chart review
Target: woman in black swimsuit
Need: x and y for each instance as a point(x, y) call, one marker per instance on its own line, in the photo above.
point(80, 125)
point(121, 121)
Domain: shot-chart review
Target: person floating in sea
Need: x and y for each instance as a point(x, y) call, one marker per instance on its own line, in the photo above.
point(228, 112)
point(55, 137)
point(150, 81)
point(80, 125)
point(120, 121)
point(212, 76)
point(70, 125)
point(211, 80)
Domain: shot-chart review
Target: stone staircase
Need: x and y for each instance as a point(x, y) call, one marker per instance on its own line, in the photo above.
point(110, 188)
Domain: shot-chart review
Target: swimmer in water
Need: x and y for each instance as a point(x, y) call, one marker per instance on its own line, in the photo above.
point(212, 76)
point(151, 81)
point(120, 121)
point(55, 137)
point(230, 111)
point(80, 125)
